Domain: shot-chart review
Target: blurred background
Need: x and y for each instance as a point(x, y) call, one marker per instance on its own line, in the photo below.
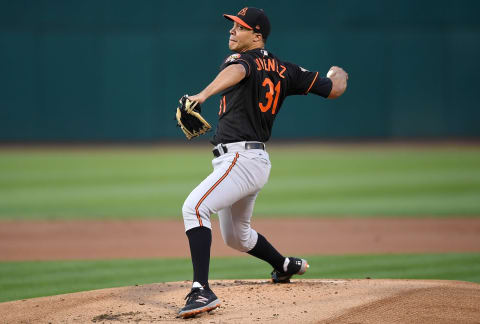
point(113, 70)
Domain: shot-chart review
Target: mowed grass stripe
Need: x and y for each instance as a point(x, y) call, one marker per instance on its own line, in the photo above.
point(314, 181)
point(334, 182)
point(20, 280)
point(427, 205)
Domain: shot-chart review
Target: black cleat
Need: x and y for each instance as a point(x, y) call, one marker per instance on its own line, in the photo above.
point(199, 300)
point(293, 267)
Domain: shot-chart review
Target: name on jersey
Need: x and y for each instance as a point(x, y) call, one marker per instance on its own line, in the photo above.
point(270, 64)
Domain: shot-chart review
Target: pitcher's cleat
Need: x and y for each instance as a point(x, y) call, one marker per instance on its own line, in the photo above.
point(292, 266)
point(199, 300)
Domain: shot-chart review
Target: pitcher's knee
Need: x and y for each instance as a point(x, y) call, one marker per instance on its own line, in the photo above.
point(194, 216)
point(242, 243)
point(188, 210)
point(235, 243)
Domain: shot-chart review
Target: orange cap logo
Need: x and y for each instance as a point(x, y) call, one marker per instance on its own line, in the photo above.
point(242, 12)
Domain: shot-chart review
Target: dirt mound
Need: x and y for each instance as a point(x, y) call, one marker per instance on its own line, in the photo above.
point(246, 301)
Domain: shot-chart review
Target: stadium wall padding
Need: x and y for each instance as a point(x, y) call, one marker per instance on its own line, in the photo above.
point(113, 70)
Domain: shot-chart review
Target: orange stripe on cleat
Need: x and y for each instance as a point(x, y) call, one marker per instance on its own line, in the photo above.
point(198, 311)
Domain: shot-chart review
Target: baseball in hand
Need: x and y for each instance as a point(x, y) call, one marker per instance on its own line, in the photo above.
point(330, 73)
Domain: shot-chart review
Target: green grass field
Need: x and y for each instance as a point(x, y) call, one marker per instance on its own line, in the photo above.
point(312, 180)
point(20, 280)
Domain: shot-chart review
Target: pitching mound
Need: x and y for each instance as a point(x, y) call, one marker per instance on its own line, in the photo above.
point(246, 301)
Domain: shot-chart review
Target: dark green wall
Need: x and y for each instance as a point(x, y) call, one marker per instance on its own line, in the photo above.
point(114, 70)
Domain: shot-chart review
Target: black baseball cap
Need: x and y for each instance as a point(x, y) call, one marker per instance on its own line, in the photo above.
point(252, 18)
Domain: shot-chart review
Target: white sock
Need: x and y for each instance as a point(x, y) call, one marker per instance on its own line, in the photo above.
point(285, 264)
point(196, 284)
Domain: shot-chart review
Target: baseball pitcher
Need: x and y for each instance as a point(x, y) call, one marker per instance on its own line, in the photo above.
point(252, 83)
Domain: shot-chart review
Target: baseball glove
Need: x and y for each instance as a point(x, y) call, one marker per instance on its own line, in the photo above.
point(189, 118)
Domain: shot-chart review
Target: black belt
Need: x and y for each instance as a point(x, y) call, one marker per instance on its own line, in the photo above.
point(248, 146)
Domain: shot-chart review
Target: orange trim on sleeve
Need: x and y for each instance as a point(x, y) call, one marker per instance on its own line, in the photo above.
point(315, 78)
point(213, 187)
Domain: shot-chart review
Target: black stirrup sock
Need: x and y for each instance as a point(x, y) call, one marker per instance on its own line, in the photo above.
point(266, 252)
point(200, 240)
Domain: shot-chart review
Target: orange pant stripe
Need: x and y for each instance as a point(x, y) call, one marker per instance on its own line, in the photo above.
point(213, 187)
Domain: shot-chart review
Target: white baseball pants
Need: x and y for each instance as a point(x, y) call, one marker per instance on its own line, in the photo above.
point(230, 191)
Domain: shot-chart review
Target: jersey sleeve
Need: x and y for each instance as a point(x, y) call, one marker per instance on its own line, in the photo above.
point(238, 58)
point(303, 82)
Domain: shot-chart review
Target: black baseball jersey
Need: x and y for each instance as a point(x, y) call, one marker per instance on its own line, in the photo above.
point(248, 109)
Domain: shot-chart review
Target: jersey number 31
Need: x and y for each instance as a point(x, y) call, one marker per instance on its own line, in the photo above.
point(271, 92)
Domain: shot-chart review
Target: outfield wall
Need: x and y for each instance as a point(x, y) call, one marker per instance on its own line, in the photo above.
point(114, 69)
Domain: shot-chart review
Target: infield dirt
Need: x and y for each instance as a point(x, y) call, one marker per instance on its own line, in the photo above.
point(60, 240)
point(250, 301)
